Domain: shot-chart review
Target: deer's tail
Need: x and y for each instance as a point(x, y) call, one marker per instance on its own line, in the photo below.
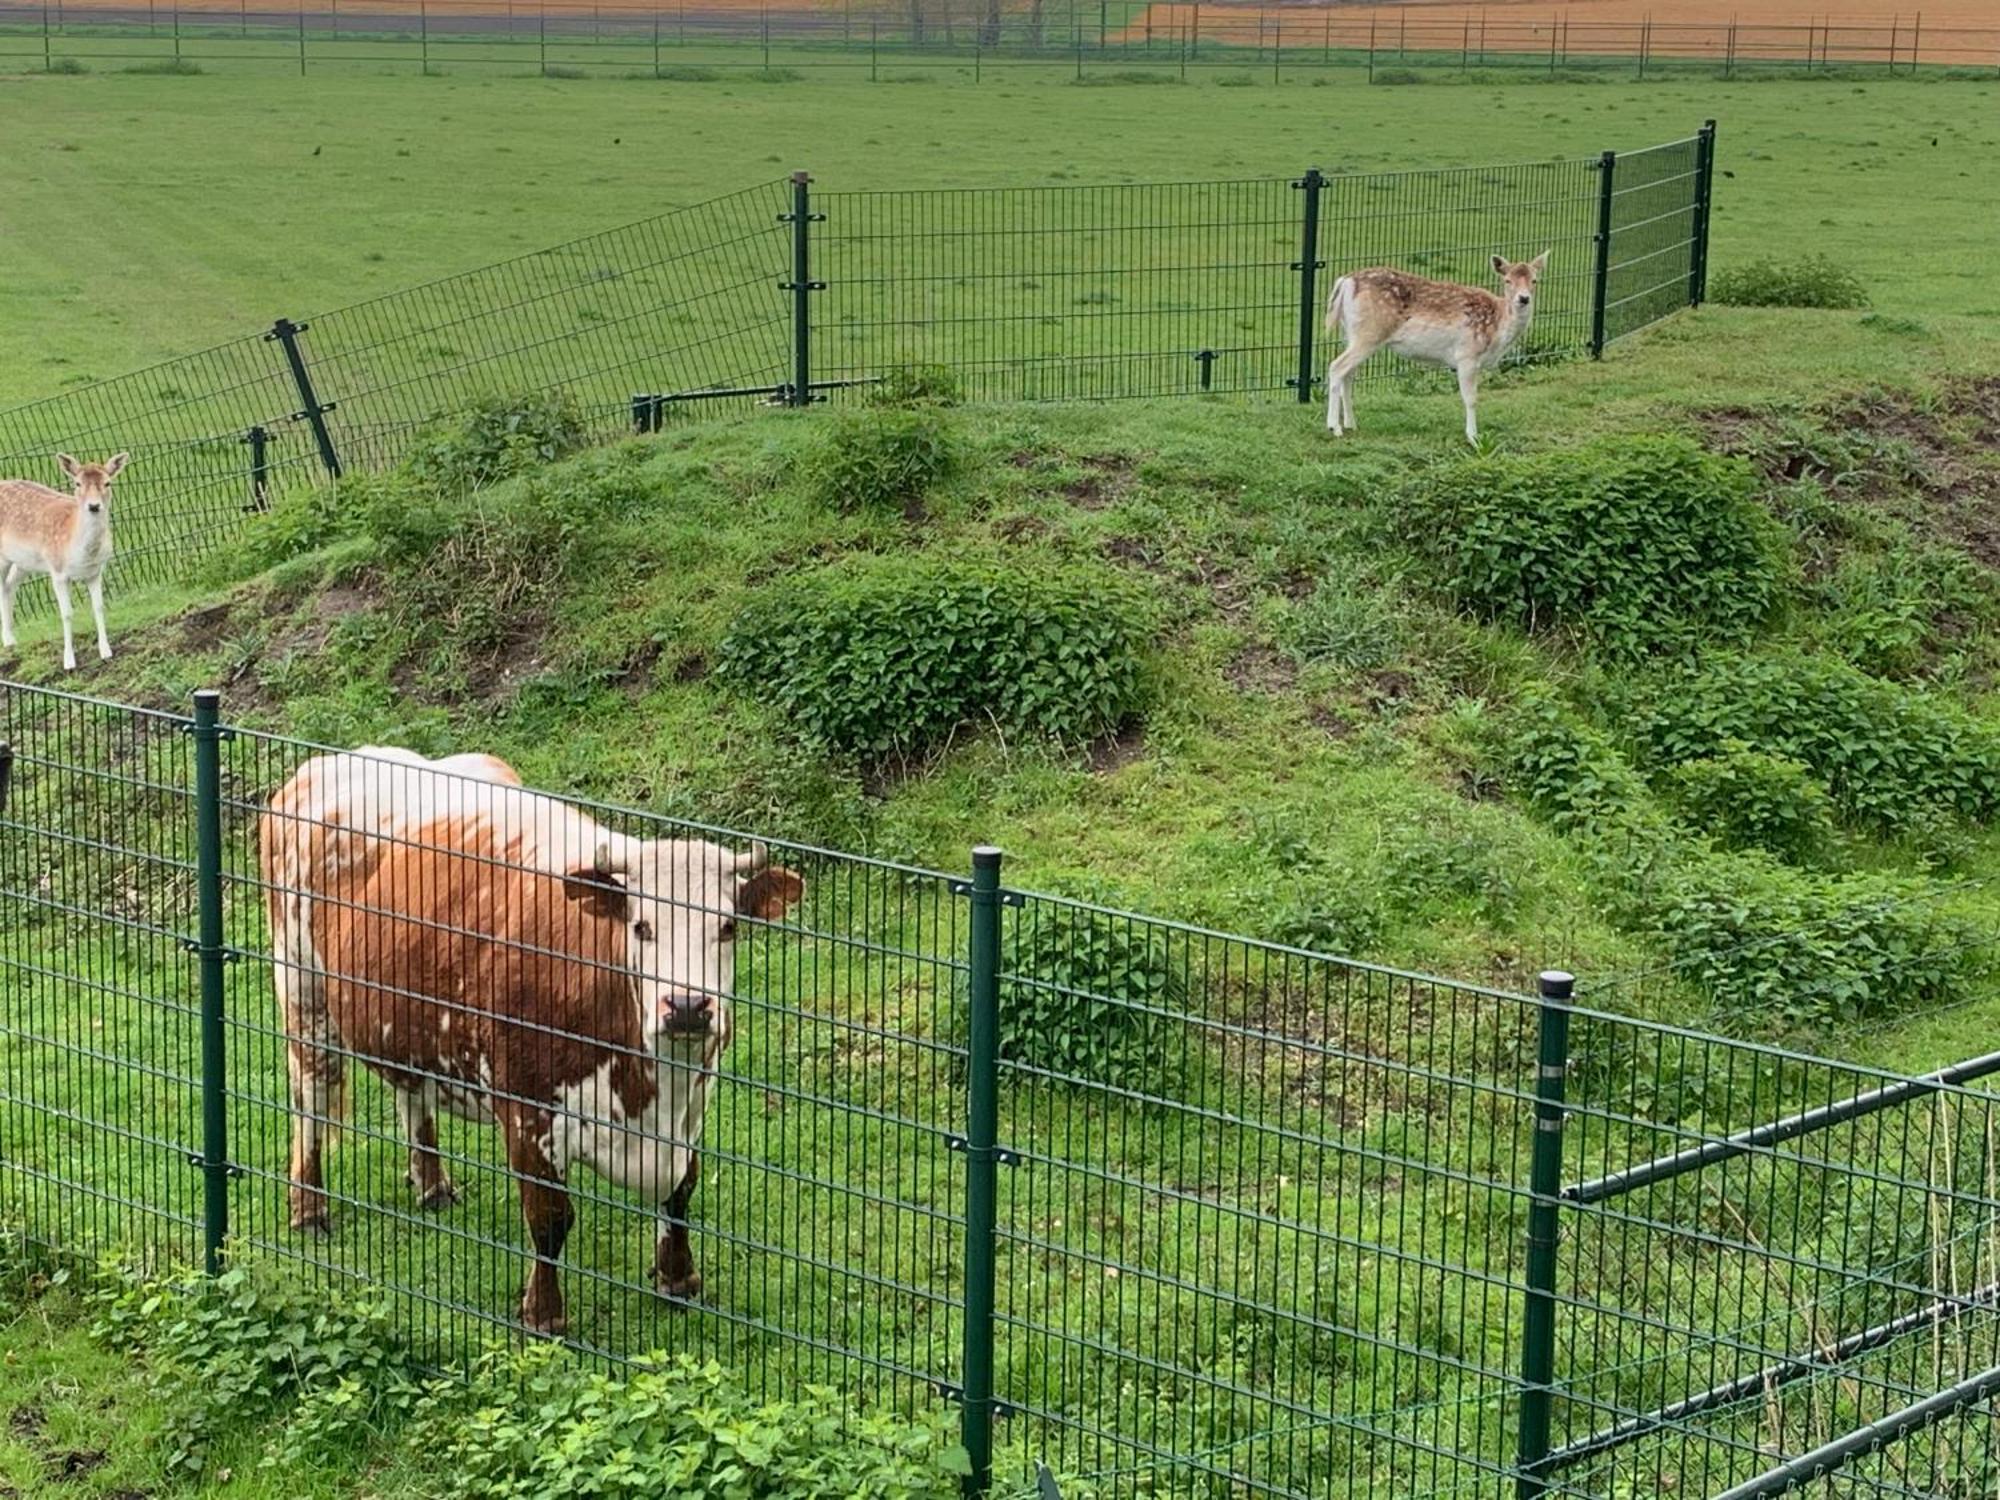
point(1337, 302)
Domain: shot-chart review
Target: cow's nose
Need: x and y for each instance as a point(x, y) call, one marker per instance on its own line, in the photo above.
point(684, 1011)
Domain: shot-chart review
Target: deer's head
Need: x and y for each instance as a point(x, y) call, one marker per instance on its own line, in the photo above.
point(91, 483)
point(1519, 278)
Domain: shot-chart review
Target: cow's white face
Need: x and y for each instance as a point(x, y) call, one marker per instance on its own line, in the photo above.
point(679, 901)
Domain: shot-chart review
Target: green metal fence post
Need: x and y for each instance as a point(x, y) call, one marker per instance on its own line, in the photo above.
point(424, 34)
point(311, 409)
point(1704, 189)
point(6, 772)
point(211, 955)
point(982, 1165)
point(302, 41)
point(1538, 1343)
point(801, 286)
point(1308, 265)
point(1600, 279)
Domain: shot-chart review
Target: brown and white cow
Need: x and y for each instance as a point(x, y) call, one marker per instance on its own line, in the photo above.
point(495, 952)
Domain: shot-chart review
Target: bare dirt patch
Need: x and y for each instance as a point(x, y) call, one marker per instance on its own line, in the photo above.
point(1936, 463)
point(1113, 752)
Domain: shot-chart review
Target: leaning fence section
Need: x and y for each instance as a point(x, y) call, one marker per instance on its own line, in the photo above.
point(785, 294)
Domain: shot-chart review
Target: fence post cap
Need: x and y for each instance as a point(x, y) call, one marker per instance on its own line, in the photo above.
point(1557, 984)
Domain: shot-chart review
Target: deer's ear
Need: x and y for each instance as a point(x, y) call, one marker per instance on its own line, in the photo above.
point(1540, 263)
point(1499, 265)
point(68, 465)
point(114, 463)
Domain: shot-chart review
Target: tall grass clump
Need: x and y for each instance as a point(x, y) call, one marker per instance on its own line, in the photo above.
point(1813, 281)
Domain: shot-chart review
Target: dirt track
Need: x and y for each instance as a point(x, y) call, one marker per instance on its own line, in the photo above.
point(1751, 32)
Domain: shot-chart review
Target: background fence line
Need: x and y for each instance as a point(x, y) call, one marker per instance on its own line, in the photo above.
point(786, 293)
point(666, 41)
point(1264, 1221)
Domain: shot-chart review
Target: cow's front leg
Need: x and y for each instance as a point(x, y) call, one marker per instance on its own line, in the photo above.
point(416, 1107)
point(546, 1207)
point(674, 1271)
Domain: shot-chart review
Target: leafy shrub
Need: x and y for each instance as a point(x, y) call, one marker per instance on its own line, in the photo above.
point(1746, 799)
point(537, 1422)
point(166, 67)
point(1569, 771)
point(1890, 613)
point(246, 1346)
point(1813, 281)
point(1080, 993)
point(917, 385)
point(892, 655)
point(689, 73)
point(495, 436)
point(69, 67)
point(878, 457)
point(1396, 77)
point(1640, 543)
point(1892, 757)
point(1766, 941)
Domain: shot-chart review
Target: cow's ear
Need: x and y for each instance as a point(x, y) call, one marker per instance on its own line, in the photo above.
point(769, 894)
point(602, 894)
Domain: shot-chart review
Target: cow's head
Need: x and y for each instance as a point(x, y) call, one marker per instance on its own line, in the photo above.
point(679, 901)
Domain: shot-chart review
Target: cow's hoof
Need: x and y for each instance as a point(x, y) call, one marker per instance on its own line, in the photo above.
point(443, 1195)
point(549, 1328)
point(681, 1289)
point(315, 1225)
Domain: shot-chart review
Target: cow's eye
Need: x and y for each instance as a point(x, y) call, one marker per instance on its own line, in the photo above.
point(643, 931)
point(728, 929)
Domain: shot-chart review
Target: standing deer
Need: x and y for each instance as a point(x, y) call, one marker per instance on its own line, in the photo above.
point(65, 536)
point(1464, 328)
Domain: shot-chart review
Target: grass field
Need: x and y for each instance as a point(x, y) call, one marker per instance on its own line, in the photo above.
point(339, 189)
point(1325, 757)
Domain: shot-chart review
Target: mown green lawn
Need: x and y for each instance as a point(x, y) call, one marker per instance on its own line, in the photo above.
point(153, 216)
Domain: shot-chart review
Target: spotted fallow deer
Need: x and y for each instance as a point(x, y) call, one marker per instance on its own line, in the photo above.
point(1464, 328)
point(65, 536)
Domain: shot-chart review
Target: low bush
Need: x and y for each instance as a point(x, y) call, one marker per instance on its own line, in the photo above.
point(247, 1346)
point(538, 1422)
point(916, 385)
point(166, 67)
point(1783, 947)
point(688, 73)
point(1569, 771)
point(70, 67)
point(1081, 996)
point(495, 436)
point(1636, 543)
point(879, 457)
point(1747, 799)
point(893, 655)
point(1813, 281)
point(1396, 77)
point(1892, 757)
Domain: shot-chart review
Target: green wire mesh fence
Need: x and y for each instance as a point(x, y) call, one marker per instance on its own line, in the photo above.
point(1164, 1209)
point(783, 295)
